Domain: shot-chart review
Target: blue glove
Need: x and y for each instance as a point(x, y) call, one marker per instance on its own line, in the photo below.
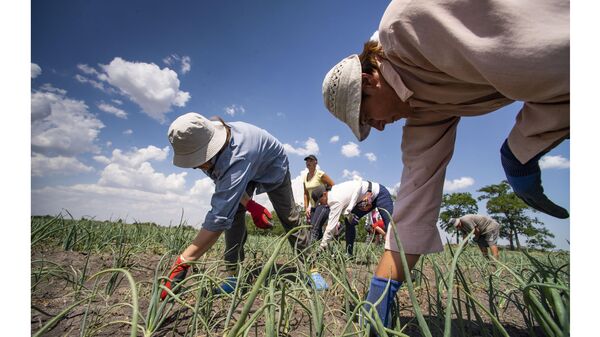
point(526, 181)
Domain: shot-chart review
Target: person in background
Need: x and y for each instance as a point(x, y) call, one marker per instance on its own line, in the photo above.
point(315, 177)
point(376, 227)
point(435, 62)
point(241, 159)
point(486, 232)
point(354, 199)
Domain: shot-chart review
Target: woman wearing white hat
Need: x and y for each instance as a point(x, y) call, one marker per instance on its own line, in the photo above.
point(241, 159)
point(435, 62)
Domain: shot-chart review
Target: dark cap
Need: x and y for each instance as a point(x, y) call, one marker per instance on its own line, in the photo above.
point(317, 193)
point(311, 156)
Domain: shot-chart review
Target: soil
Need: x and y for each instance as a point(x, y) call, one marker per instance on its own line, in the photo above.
point(53, 294)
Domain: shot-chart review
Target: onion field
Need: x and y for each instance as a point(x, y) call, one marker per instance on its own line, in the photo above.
point(100, 278)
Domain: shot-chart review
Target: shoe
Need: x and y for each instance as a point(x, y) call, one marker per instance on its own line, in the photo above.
point(318, 282)
point(227, 286)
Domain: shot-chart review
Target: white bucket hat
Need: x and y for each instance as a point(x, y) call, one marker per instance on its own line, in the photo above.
point(342, 92)
point(195, 139)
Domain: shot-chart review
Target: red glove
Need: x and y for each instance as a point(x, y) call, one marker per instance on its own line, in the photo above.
point(379, 224)
point(260, 215)
point(179, 270)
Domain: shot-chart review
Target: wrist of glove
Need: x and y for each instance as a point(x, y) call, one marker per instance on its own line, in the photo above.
point(526, 182)
point(178, 273)
point(260, 215)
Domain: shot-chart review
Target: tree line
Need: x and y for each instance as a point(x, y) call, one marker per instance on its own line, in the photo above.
point(503, 205)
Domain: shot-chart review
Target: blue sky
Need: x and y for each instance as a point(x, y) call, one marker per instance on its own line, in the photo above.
point(108, 77)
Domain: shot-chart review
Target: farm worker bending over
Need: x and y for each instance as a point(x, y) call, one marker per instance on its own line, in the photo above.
point(435, 62)
point(355, 199)
point(486, 229)
point(376, 226)
point(240, 158)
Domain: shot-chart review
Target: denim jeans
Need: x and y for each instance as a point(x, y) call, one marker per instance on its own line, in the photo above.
point(282, 199)
point(318, 219)
point(383, 202)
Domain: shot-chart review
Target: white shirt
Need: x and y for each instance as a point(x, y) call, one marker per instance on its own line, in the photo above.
point(342, 198)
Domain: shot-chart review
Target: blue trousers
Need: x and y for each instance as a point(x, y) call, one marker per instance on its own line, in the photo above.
point(318, 218)
point(383, 202)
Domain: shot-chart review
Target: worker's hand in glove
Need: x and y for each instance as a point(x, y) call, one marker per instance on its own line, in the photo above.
point(260, 215)
point(178, 272)
point(378, 224)
point(526, 181)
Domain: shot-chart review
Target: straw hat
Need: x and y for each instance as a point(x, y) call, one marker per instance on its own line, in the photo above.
point(342, 91)
point(195, 139)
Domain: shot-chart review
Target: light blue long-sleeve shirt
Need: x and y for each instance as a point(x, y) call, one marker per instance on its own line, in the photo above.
point(251, 155)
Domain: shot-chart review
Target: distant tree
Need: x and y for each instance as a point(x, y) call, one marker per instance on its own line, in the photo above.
point(455, 205)
point(504, 206)
point(539, 239)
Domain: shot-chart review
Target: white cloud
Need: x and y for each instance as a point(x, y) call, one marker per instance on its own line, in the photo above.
point(59, 165)
point(234, 109)
point(154, 89)
point(334, 139)
point(554, 162)
point(41, 105)
point(133, 170)
point(310, 147)
point(458, 184)
point(202, 187)
point(87, 69)
point(117, 101)
point(112, 110)
point(35, 70)
point(350, 150)
point(280, 114)
point(98, 85)
point(130, 204)
point(102, 159)
point(173, 59)
point(128, 132)
point(355, 175)
point(49, 88)
point(371, 156)
point(186, 64)
point(170, 60)
point(62, 126)
point(375, 36)
point(130, 188)
point(138, 156)
point(395, 189)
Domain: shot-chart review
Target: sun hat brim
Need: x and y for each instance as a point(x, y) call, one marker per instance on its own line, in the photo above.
point(205, 153)
point(342, 94)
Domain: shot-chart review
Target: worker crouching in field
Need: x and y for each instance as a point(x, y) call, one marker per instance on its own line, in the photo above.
point(354, 199)
point(241, 159)
point(376, 227)
point(486, 232)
